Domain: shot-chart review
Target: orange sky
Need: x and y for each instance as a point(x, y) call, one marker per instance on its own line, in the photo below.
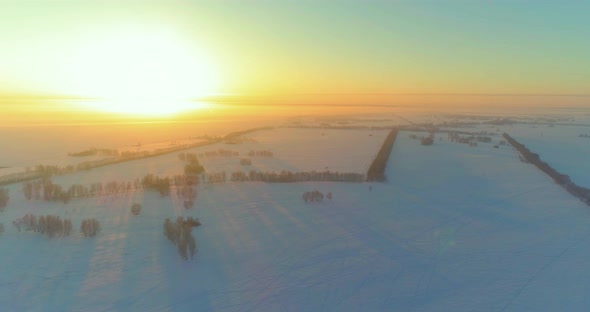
point(155, 56)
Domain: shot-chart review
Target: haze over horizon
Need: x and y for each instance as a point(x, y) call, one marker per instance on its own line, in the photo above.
point(137, 55)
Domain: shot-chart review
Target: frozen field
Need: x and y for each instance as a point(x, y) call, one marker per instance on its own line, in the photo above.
point(454, 229)
point(293, 149)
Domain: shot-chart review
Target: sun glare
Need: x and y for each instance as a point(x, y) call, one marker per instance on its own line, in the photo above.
point(147, 72)
point(144, 107)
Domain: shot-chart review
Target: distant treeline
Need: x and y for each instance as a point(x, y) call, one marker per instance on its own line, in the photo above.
point(46, 190)
point(45, 171)
point(95, 152)
point(562, 179)
point(376, 171)
point(233, 135)
point(287, 176)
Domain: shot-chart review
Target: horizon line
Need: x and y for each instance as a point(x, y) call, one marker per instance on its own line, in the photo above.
point(204, 98)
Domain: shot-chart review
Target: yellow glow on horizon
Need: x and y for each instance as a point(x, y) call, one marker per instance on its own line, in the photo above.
point(140, 71)
point(143, 106)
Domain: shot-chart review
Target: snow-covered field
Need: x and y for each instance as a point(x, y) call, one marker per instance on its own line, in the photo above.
point(559, 146)
point(454, 229)
point(298, 149)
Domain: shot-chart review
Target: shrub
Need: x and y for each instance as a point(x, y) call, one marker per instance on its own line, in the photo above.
point(135, 209)
point(1, 228)
point(89, 227)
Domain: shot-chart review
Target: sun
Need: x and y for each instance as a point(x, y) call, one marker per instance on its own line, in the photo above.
point(143, 107)
point(141, 72)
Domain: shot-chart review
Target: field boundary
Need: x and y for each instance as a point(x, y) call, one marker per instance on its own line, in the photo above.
point(376, 171)
point(561, 179)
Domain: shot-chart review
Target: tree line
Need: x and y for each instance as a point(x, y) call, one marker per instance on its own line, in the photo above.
point(561, 179)
point(285, 176)
point(45, 189)
point(376, 171)
point(54, 226)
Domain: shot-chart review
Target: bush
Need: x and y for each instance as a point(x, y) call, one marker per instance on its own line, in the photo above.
point(89, 227)
point(135, 209)
point(1, 228)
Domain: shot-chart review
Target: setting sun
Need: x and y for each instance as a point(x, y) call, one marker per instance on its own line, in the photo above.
point(143, 106)
point(143, 72)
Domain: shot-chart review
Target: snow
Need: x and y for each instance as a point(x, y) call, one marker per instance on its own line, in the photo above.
point(298, 149)
point(454, 228)
point(293, 149)
point(561, 147)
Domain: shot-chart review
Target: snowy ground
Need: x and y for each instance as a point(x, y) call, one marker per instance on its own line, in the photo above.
point(293, 149)
point(454, 229)
point(559, 146)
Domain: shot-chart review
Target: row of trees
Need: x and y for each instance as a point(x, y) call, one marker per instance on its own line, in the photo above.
point(287, 176)
point(152, 182)
point(95, 152)
point(376, 171)
point(179, 233)
point(224, 153)
point(45, 189)
point(54, 226)
point(49, 225)
point(217, 153)
point(49, 170)
point(562, 179)
point(535, 159)
point(261, 153)
point(187, 156)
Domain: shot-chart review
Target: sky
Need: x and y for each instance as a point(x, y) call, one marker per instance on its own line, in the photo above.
point(323, 51)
